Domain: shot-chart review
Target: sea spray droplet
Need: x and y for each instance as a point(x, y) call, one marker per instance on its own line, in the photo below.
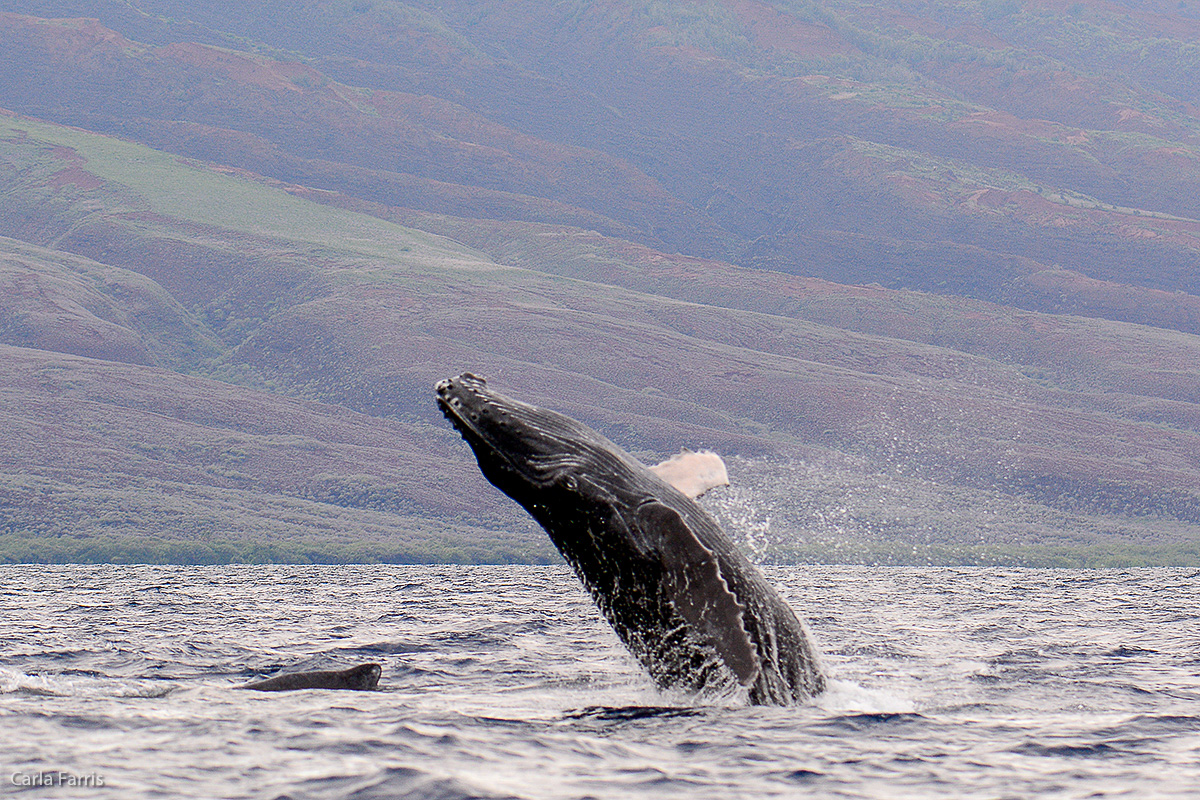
point(745, 515)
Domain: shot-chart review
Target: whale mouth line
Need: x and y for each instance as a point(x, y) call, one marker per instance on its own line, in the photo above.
point(452, 410)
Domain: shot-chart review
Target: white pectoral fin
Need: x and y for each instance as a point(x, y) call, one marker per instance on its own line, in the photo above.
point(693, 473)
point(692, 577)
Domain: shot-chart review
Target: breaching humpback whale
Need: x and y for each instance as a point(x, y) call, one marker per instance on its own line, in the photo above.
point(685, 601)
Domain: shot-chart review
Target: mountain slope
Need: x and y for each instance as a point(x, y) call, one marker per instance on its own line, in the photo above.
point(109, 461)
point(954, 149)
point(658, 351)
point(224, 347)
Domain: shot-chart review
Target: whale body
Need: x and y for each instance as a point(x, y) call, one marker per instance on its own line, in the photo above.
point(686, 602)
point(363, 678)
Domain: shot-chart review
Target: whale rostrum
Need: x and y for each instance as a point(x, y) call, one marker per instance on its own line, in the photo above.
point(685, 601)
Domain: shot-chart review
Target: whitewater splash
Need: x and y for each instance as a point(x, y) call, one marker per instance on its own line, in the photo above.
point(13, 682)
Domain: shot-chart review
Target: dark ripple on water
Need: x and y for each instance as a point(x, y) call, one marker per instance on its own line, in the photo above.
point(502, 682)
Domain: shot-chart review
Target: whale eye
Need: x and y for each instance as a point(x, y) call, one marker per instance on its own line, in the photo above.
point(571, 483)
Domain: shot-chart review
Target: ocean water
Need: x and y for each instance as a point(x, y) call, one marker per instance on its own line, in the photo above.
point(503, 682)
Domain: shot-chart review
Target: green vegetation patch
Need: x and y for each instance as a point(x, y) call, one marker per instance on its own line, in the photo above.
point(170, 186)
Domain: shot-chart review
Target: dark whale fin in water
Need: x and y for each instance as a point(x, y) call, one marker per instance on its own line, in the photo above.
point(697, 590)
point(363, 678)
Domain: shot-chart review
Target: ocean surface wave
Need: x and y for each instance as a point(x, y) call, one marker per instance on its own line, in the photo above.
point(503, 682)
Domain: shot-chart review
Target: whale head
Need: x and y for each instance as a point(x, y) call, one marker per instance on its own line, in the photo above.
point(532, 453)
point(364, 677)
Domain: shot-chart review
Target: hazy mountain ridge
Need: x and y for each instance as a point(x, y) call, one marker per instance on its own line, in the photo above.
point(809, 173)
point(383, 262)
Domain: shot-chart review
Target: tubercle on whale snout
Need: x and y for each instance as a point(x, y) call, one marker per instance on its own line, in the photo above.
point(461, 400)
point(457, 391)
point(463, 381)
point(458, 411)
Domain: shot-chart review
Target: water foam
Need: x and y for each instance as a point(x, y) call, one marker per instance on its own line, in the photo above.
point(848, 697)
